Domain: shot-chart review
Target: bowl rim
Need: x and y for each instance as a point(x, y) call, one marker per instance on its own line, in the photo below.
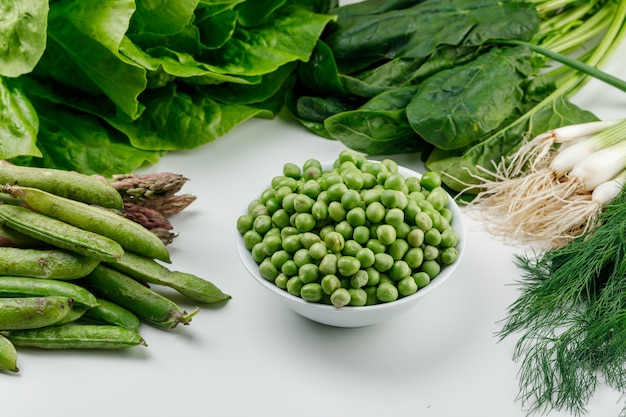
point(457, 223)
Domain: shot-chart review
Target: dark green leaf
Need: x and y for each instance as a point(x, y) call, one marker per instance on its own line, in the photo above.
point(456, 107)
point(461, 165)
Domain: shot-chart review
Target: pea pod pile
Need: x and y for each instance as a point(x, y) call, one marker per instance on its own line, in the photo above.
point(357, 234)
point(76, 272)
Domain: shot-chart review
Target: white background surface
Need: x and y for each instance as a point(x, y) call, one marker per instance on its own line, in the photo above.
point(253, 356)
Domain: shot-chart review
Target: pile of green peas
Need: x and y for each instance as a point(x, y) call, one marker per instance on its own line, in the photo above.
point(357, 234)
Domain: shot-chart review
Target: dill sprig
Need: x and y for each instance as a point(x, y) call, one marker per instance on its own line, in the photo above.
point(571, 317)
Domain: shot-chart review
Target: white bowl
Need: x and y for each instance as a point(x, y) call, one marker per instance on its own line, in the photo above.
point(351, 316)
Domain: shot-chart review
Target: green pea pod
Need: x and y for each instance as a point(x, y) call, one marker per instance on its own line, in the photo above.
point(69, 184)
point(76, 336)
point(14, 239)
point(107, 312)
point(148, 270)
point(45, 263)
point(40, 287)
point(129, 234)
point(60, 234)
point(33, 312)
point(8, 355)
point(143, 301)
point(75, 313)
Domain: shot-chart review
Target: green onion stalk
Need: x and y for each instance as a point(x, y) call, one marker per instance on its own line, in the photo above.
point(544, 191)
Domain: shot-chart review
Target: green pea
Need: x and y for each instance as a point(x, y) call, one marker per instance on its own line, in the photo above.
point(375, 212)
point(303, 203)
point(340, 297)
point(410, 211)
point(449, 255)
point(311, 163)
point(348, 265)
point(251, 238)
point(370, 195)
point(414, 257)
point(432, 237)
point(311, 292)
point(309, 273)
point(430, 180)
point(336, 211)
point(386, 292)
point(356, 217)
point(288, 203)
point(281, 193)
point(325, 230)
point(311, 188)
point(442, 224)
point(430, 252)
point(424, 221)
point(438, 198)
point(373, 276)
point(288, 231)
point(393, 199)
point(383, 261)
point(374, 168)
point(407, 286)
point(369, 180)
point(351, 247)
point(308, 239)
point(394, 216)
point(398, 249)
point(386, 234)
point(291, 170)
point(319, 210)
point(415, 238)
point(402, 230)
point(305, 222)
point(272, 243)
point(336, 191)
point(359, 279)
point(244, 223)
point(358, 297)
point(330, 178)
point(449, 238)
point(353, 179)
point(330, 283)
point(289, 268)
point(294, 286)
point(421, 278)
point(431, 267)
point(395, 181)
point(279, 257)
point(318, 250)
point(351, 199)
point(361, 234)
point(345, 229)
point(334, 241)
point(376, 246)
point(281, 281)
point(268, 270)
point(446, 213)
point(292, 243)
point(302, 257)
point(258, 252)
point(399, 270)
point(366, 257)
point(413, 184)
point(371, 296)
point(328, 264)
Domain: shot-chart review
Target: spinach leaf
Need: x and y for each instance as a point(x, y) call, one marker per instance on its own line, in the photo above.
point(462, 164)
point(289, 36)
point(378, 127)
point(254, 13)
point(22, 35)
point(18, 121)
point(456, 107)
point(82, 51)
point(78, 142)
point(159, 18)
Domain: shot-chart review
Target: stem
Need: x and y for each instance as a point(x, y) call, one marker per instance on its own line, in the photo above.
point(571, 62)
